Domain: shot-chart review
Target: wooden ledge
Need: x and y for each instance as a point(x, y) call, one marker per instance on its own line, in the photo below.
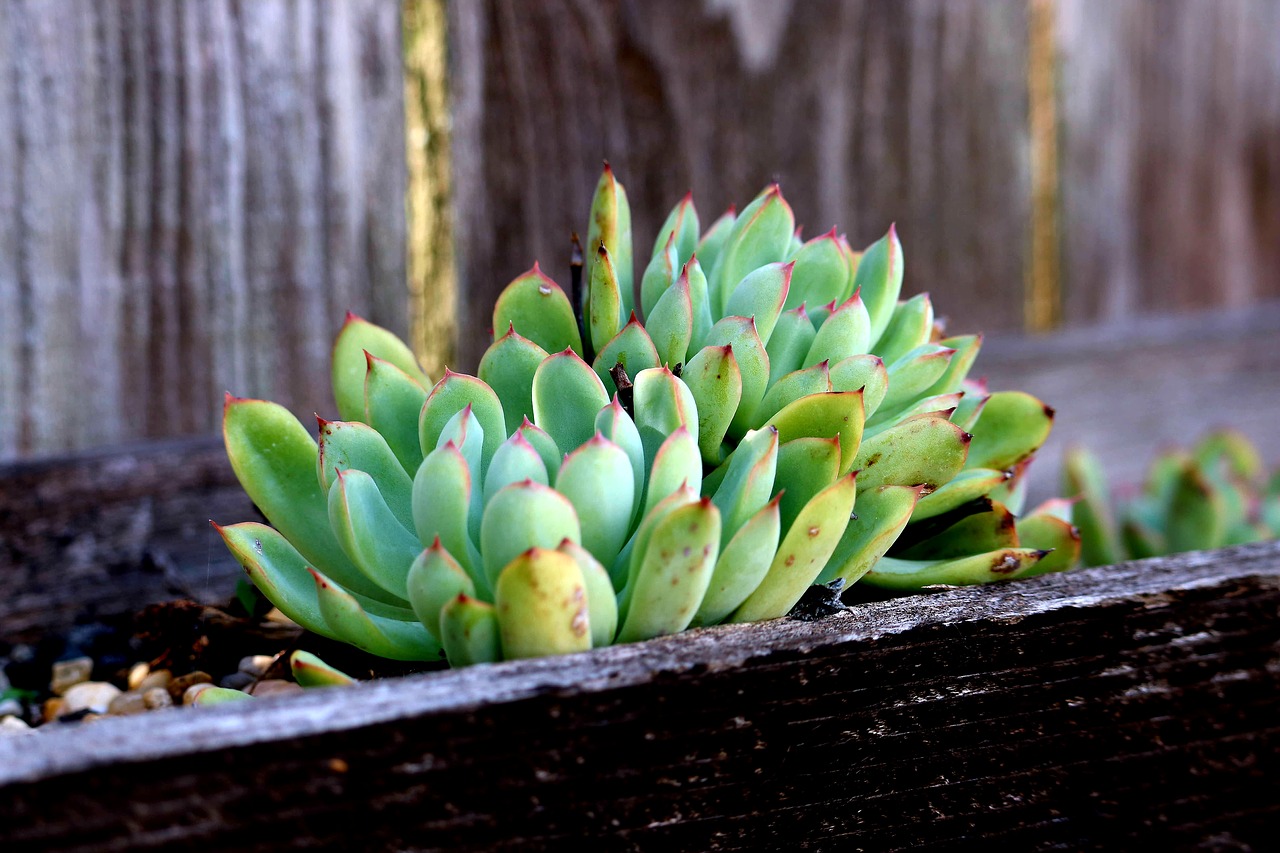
point(1085, 708)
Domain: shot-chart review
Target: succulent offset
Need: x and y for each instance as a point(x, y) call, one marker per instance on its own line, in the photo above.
point(1213, 495)
point(605, 478)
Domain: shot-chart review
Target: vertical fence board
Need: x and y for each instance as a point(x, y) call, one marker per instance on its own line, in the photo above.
point(1170, 155)
point(191, 194)
point(867, 112)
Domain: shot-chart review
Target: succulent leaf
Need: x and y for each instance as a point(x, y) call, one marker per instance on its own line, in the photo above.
point(836, 414)
point(1048, 532)
point(845, 333)
point(882, 513)
point(747, 481)
point(714, 380)
point(879, 280)
point(966, 352)
point(663, 404)
point(926, 449)
point(369, 532)
point(541, 600)
point(911, 376)
point(566, 396)
point(392, 403)
point(761, 296)
point(597, 480)
point(753, 365)
point(615, 424)
point(676, 464)
point(820, 275)
point(442, 500)
point(537, 308)
point(435, 579)
point(507, 367)
point(275, 460)
point(742, 565)
point(681, 225)
point(349, 363)
point(610, 225)
point(1083, 478)
point(670, 324)
point(604, 301)
point(792, 337)
point(545, 445)
point(523, 516)
point(452, 394)
point(386, 638)
point(1011, 427)
point(675, 569)
point(602, 602)
point(866, 372)
point(659, 275)
point(761, 235)
point(311, 672)
point(469, 631)
point(516, 460)
point(967, 486)
point(632, 348)
point(1004, 564)
point(974, 534)
point(910, 326)
point(806, 466)
point(804, 551)
point(278, 571)
point(351, 445)
point(713, 239)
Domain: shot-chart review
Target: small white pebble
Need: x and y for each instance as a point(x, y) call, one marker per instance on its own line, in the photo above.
point(14, 726)
point(127, 703)
point(275, 687)
point(157, 697)
point(95, 696)
point(159, 678)
point(137, 672)
point(69, 673)
point(256, 665)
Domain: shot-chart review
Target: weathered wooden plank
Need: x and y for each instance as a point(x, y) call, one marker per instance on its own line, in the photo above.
point(193, 194)
point(1170, 160)
point(108, 533)
point(1108, 708)
point(866, 112)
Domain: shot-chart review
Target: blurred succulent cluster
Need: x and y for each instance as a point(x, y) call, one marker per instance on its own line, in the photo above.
point(1214, 494)
point(759, 415)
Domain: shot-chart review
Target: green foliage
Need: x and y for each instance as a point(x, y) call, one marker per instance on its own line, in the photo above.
point(1214, 495)
point(640, 454)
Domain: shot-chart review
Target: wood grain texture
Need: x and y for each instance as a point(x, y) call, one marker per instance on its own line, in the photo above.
point(105, 534)
point(866, 112)
point(1104, 709)
point(191, 196)
point(1170, 116)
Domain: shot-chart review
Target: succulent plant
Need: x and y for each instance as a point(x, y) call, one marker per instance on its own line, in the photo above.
point(423, 523)
point(811, 339)
point(602, 481)
point(1213, 495)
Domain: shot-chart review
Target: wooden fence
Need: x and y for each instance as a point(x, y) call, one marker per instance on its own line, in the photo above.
point(191, 194)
